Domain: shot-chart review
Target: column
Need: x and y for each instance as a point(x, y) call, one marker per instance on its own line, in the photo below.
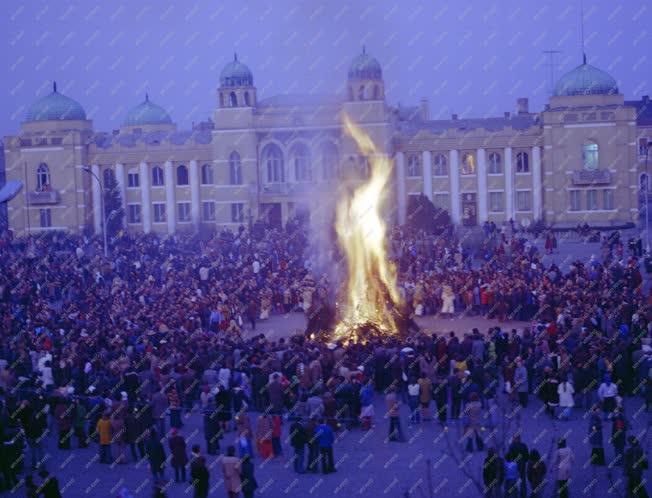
point(455, 186)
point(146, 204)
point(426, 159)
point(97, 198)
point(537, 188)
point(170, 204)
point(400, 187)
point(194, 193)
point(482, 186)
point(122, 188)
point(509, 184)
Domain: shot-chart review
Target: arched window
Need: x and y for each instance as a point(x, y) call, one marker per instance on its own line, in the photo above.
point(273, 161)
point(468, 164)
point(233, 99)
point(329, 161)
point(413, 166)
point(157, 177)
point(300, 160)
point(441, 168)
point(42, 177)
point(495, 164)
point(361, 92)
point(246, 98)
point(109, 177)
point(590, 155)
point(182, 175)
point(235, 169)
point(376, 92)
point(207, 176)
point(522, 162)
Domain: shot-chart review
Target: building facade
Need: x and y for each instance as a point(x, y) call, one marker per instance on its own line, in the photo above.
point(581, 159)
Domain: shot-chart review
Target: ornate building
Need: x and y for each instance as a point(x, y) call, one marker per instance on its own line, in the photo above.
point(580, 159)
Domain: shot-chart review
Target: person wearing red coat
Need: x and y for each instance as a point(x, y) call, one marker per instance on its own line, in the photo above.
point(179, 460)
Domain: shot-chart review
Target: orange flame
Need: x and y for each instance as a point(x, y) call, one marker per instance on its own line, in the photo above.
point(371, 293)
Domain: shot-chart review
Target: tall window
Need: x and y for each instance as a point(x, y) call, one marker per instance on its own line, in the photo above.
point(592, 200)
point(159, 212)
point(183, 208)
point(208, 211)
point(495, 164)
point(523, 200)
point(273, 161)
point(133, 180)
point(643, 146)
point(233, 99)
point(361, 92)
point(207, 175)
point(522, 162)
point(496, 202)
point(237, 212)
point(301, 161)
point(441, 201)
point(608, 199)
point(590, 155)
point(441, 168)
point(414, 166)
point(42, 177)
point(329, 161)
point(468, 164)
point(246, 99)
point(235, 169)
point(45, 218)
point(376, 92)
point(133, 213)
point(109, 177)
point(157, 177)
point(182, 174)
point(575, 200)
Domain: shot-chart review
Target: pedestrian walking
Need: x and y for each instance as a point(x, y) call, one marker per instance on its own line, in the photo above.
point(564, 461)
point(231, 472)
point(247, 478)
point(199, 473)
point(635, 464)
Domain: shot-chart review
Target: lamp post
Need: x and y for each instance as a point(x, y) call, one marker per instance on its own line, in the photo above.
point(106, 245)
point(647, 206)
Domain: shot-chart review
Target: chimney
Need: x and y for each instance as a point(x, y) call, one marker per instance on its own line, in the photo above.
point(507, 114)
point(454, 117)
point(424, 109)
point(522, 105)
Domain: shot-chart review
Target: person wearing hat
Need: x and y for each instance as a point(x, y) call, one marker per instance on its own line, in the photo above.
point(635, 464)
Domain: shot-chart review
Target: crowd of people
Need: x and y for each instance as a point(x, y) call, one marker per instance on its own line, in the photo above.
point(117, 353)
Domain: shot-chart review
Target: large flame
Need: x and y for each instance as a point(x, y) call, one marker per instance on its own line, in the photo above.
point(370, 296)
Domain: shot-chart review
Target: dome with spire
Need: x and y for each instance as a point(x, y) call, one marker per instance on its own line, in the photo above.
point(147, 113)
point(586, 79)
point(235, 73)
point(365, 67)
point(55, 107)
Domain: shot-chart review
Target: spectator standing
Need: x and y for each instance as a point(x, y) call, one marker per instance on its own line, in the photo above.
point(394, 414)
point(536, 474)
point(247, 478)
point(493, 472)
point(298, 441)
point(104, 433)
point(635, 464)
point(155, 455)
point(564, 461)
point(231, 472)
point(596, 439)
point(177, 444)
point(326, 439)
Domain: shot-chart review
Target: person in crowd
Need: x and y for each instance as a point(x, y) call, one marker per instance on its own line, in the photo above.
point(473, 421)
point(326, 438)
point(231, 470)
point(636, 464)
point(49, 485)
point(493, 472)
point(564, 461)
point(596, 438)
point(298, 442)
point(607, 393)
point(536, 474)
point(247, 478)
point(199, 473)
point(155, 455)
point(618, 438)
point(566, 399)
point(394, 415)
point(106, 437)
point(413, 389)
point(177, 445)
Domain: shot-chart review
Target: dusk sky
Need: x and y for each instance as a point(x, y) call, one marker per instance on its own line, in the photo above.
point(472, 57)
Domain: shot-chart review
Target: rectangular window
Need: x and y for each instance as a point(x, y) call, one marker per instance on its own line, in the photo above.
point(441, 201)
point(159, 213)
point(45, 218)
point(575, 200)
point(608, 199)
point(184, 212)
point(208, 211)
point(642, 146)
point(133, 214)
point(523, 200)
point(237, 212)
point(591, 200)
point(496, 202)
point(133, 180)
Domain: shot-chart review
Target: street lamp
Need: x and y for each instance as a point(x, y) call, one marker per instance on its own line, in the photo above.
point(104, 221)
point(647, 206)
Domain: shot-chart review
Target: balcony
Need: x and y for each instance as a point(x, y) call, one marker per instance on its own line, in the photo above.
point(288, 188)
point(591, 177)
point(43, 198)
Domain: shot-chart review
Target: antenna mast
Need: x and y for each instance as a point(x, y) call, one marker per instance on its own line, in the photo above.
point(582, 30)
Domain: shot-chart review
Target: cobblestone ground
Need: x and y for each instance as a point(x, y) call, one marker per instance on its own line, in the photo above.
point(429, 463)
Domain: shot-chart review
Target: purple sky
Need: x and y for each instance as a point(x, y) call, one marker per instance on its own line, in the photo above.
point(473, 57)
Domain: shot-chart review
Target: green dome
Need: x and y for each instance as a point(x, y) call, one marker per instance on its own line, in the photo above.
point(147, 113)
point(586, 80)
point(365, 67)
point(235, 73)
point(55, 107)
